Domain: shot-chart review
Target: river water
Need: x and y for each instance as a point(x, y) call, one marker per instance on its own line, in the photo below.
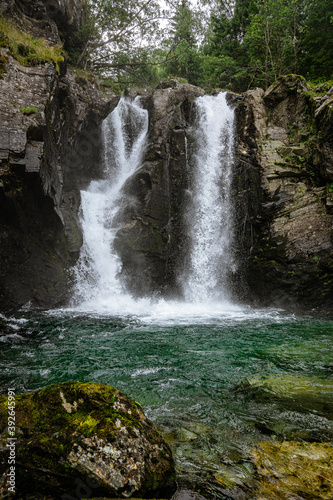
point(191, 371)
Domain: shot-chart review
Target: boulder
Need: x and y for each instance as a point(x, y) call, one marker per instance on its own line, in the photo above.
point(74, 437)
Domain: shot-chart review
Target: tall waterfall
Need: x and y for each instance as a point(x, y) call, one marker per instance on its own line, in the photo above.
point(96, 273)
point(209, 160)
point(209, 213)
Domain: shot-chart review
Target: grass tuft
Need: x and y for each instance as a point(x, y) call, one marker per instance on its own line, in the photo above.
point(29, 110)
point(27, 50)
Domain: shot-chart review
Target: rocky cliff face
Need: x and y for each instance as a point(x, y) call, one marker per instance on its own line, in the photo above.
point(49, 150)
point(54, 20)
point(150, 240)
point(285, 193)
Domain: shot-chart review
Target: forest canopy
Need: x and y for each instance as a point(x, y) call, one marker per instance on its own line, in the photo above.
point(234, 45)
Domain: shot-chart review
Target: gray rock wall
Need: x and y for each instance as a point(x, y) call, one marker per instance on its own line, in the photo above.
point(46, 157)
point(285, 218)
point(150, 240)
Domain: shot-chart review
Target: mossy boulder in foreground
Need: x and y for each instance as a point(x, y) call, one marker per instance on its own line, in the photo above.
point(77, 439)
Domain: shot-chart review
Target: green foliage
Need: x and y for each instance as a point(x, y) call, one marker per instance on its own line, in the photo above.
point(247, 43)
point(30, 110)
point(225, 48)
point(317, 46)
point(259, 40)
point(184, 58)
point(114, 31)
point(27, 50)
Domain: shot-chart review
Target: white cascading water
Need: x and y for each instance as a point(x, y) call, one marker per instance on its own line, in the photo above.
point(96, 275)
point(98, 288)
point(209, 214)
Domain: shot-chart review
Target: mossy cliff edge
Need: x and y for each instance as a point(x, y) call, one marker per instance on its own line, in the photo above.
point(74, 436)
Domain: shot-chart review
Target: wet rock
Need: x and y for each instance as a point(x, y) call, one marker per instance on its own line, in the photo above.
point(74, 436)
point(284, 212)
point(294, 470)
point(150, 239)
point(300, 393)
point(47, 156)
point(187, 495)
point(302, 356)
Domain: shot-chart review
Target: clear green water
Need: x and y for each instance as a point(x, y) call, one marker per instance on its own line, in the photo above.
point(195, 375)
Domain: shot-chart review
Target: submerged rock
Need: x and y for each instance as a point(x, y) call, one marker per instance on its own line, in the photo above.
point(299, 393)
point(294, 470)
point(302, 356)
point(74, 436)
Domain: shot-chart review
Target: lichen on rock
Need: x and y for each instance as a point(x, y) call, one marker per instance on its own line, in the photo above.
point(92, 433)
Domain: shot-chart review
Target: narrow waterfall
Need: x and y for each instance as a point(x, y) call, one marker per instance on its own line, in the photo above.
point(96, 273)
point(209, 214)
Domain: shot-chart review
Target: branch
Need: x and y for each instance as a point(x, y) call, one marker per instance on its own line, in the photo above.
point(136, 64)
point(130, 21)
point(128, 29)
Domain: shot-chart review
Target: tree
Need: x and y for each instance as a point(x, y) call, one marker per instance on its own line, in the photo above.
point(247, 43)
point(316, 55)
point(274, 37)
point(224, 50)
point(182, 43)
point(116, 30)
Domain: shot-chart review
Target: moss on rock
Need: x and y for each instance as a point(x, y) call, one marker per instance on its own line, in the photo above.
point(294, 470)
point(300, 393)
point(87, 432)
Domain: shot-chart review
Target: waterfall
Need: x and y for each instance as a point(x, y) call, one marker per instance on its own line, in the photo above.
point(96, 273)
point(209, 214)
point(208, 219)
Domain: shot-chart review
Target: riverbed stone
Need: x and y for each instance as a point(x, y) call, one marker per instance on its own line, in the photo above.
point(92, 436)
point(295, 470)
point(300, 393)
